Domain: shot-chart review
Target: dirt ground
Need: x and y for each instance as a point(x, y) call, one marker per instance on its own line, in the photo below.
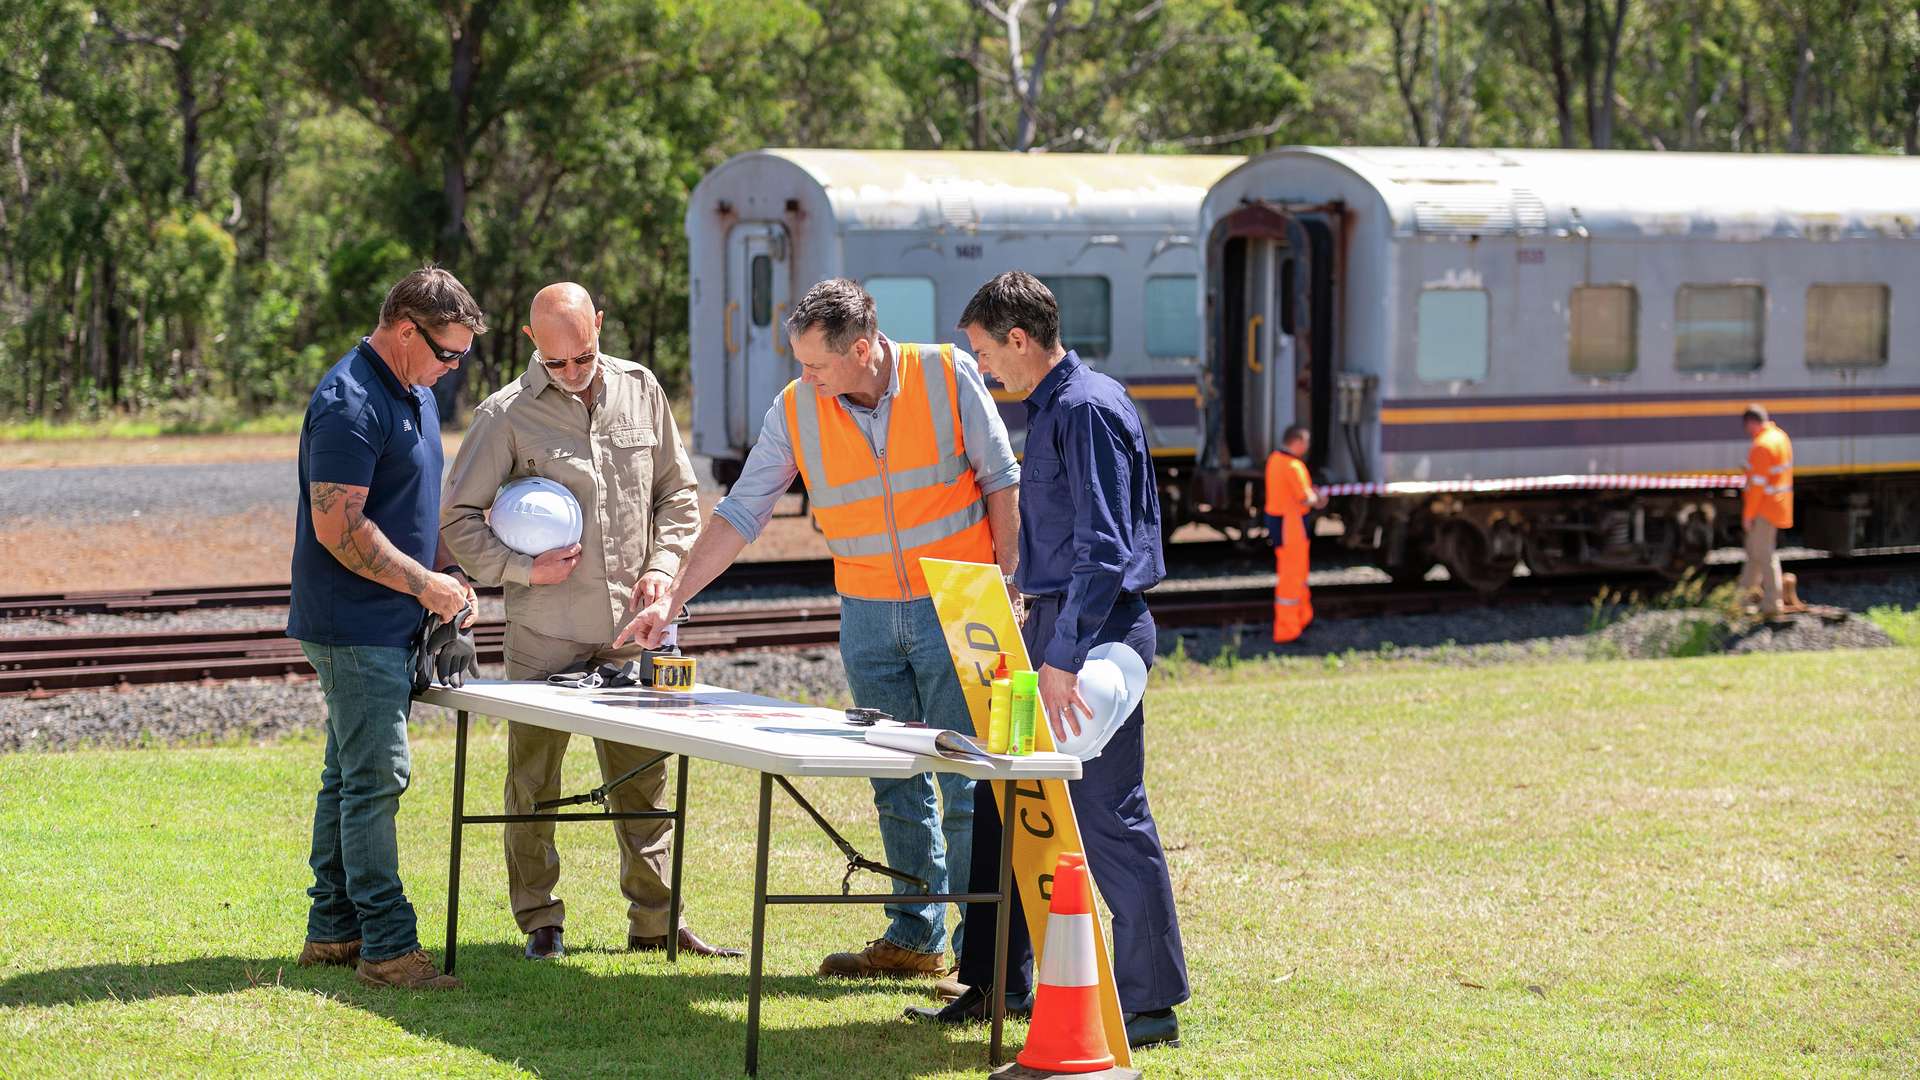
point(240, 549)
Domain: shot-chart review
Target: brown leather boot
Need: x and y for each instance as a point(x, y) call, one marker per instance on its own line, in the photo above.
point(882, 957)
point(408, 971)
point(320, 953)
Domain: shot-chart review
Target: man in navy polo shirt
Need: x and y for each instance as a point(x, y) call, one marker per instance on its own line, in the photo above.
point(368, 565)
point(1089, 549)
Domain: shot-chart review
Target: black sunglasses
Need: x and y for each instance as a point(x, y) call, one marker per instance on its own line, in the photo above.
point(444, 355)
point(582, 360)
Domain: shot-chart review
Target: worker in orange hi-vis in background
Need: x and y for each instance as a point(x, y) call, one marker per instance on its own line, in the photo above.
point(1766, 507)
point(1290, 495)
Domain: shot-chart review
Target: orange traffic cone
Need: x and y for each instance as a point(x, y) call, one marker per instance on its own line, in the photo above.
point(1067, 1035)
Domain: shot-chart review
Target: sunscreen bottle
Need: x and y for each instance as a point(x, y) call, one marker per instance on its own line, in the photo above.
point(1000, 709)
point(1026, 706)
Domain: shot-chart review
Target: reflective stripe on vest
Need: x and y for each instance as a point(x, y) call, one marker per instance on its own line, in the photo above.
point(879, 520)
point(945, 471)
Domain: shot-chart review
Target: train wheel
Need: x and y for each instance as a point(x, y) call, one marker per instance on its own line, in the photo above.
point(1474, 559)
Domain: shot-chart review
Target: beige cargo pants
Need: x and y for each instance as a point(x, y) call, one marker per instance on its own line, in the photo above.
point(533, 774)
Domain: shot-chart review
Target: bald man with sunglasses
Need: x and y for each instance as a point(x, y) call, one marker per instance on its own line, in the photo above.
point(600, 426)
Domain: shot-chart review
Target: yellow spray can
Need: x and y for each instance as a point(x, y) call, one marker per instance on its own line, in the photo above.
point(1000, 709)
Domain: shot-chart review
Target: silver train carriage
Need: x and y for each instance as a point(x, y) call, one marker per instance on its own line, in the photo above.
point(1114, 236)
point(1538, 354)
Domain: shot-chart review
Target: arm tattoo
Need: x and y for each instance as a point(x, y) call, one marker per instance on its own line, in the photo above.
point(361, 547)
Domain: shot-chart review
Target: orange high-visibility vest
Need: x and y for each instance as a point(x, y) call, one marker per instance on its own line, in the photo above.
point(882, 515)
point(1769, 491)
point(1287, 484)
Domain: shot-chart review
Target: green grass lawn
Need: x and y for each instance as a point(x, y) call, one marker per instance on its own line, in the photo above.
point(1699, 867)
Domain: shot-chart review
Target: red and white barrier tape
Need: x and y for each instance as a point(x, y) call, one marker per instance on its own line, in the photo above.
point(1538, 483)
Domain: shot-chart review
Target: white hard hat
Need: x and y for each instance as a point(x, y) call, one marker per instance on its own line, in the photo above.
point(1113, 680)
point(534, 515)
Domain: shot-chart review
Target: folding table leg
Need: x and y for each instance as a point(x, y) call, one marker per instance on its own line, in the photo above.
point(459, 823)
point(1002, 920)
point(679, 848)
point(759, 924)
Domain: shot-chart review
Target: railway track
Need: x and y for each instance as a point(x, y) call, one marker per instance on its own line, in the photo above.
point(741, 576)
point(51, 664)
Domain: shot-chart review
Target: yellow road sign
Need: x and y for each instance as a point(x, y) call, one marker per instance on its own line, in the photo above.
point(978, 620)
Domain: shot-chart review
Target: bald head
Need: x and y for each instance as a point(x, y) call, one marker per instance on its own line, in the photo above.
point(564, 326)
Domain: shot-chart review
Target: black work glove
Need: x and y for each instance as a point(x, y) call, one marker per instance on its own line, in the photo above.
point(446, 653)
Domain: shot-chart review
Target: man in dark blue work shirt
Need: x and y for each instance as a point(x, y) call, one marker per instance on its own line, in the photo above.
point(368, 565)
point(1086, 571)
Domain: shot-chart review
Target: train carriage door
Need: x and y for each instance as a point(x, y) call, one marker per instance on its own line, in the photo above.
point(1274, 366)
point(759, 363)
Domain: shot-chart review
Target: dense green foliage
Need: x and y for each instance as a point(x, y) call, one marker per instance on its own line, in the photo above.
point(206, 200)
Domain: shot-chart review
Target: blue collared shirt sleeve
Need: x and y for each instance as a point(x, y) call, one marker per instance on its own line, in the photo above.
point(989, 450)
point(341, 440)
point(1096, 459)
point(766, 476)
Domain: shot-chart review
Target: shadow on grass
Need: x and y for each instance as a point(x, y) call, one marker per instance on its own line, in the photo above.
point(560, 1019)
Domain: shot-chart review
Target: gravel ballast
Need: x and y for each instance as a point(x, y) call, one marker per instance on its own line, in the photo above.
point(266, 709)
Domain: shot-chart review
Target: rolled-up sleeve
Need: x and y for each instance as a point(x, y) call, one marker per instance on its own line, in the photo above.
point(767, 475)
point(676, 492)
point(1096, 460)
point(989, 450)
point(484, 462)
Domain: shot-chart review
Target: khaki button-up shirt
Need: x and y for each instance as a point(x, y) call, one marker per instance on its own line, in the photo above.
point(623, 461)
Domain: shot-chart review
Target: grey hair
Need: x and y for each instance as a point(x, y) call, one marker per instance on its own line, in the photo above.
point(841, 309)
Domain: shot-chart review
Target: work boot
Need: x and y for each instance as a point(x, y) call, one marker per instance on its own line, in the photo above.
point(335, 953)
point(1157, 1028)
point(949, 987)
point(971, 1007)
point(546, 944)
point(408, 971)
point(883, 957)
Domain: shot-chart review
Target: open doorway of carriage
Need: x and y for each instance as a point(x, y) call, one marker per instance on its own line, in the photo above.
point(1272, 298)
point(759, 362)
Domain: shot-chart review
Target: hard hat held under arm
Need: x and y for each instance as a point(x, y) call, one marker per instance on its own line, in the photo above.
point(1769, 489)
point(484, 463)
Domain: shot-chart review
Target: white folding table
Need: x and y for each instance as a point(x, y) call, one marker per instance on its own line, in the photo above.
point(777, 739)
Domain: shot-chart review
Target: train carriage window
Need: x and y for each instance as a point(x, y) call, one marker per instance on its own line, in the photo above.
point(1605, 320)
point(905, 307)
point(1847, 326)
point(1450, 333)
point(762, 299)
point(1086, 313)
point(1173, 316)
point(1719, 327)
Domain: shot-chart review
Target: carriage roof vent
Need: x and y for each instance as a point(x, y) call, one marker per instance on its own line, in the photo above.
point(1529, 212)
point(1478, 213)
point(955, 205)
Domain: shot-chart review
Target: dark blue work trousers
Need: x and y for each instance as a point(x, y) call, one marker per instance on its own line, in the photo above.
point(1122, 848)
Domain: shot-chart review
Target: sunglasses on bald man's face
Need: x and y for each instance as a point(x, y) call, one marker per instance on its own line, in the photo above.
point(582, 360)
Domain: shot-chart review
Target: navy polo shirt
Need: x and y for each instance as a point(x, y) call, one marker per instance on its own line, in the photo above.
point(364, 428)
point(1089, 505)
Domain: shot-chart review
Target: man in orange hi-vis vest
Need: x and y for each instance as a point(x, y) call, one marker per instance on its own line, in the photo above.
point(1290, 495)
point(1766, 506)
point(904, 457)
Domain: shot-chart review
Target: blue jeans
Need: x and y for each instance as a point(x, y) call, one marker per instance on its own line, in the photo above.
point(356, 858)
point(897, 661)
